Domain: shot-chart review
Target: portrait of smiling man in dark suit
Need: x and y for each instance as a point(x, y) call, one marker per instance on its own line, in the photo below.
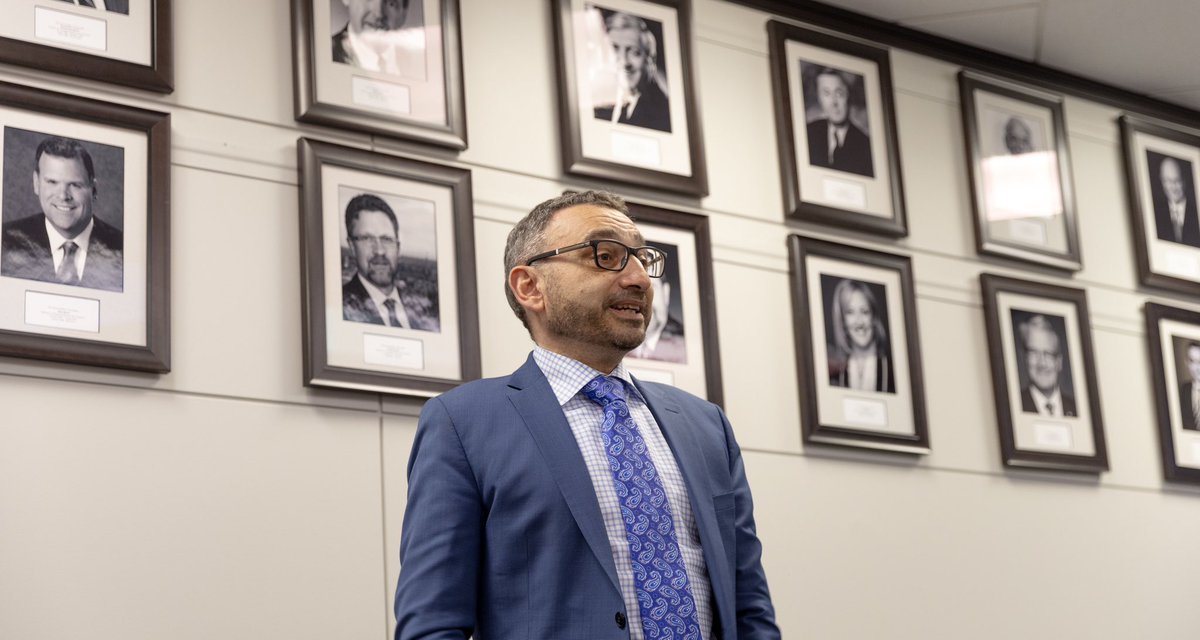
point(64, 242)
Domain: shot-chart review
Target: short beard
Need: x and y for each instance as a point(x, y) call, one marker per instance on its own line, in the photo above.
point(573, 320)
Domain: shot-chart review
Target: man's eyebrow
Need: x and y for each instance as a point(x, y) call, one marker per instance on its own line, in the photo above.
point(612, 234)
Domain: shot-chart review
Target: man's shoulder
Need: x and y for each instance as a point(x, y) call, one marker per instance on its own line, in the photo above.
point(475, 397)
point(25, 225)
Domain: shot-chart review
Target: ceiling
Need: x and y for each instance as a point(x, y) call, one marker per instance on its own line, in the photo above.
point(1147, 47)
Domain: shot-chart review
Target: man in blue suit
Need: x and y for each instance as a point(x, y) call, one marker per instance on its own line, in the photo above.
point(569, 500)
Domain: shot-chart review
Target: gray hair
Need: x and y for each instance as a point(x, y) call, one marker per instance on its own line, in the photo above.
point(527, 238)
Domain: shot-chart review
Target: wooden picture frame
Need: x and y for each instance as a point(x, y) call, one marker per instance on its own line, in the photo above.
point(1020, 168)
point(84, 246)
point(1173, 337)
point(820, 80)
point(128, 44)
point(681, 345)
point(1043, 375)
point(654, 140)
point(857, 347)
point(411, 86)
point(1162, 170)
point(411, 239)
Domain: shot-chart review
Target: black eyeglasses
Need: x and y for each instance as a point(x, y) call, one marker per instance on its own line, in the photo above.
point(613, 256)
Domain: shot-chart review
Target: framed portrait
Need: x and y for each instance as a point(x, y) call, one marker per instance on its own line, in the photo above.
point(681, 346)
point(839, 153)
point(390, 67)
point(388, 261)
point(857, 348)
point(626, 93)
point(1020, 172)
point(1043, 375)
point(126, 42)
point(84, 231)
point(1162, 162)
point(1174, 339)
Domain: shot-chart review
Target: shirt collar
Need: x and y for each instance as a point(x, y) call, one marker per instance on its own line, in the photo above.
point(57, 239)
point(376, 295)
point(1039, 398)
point(567, 375)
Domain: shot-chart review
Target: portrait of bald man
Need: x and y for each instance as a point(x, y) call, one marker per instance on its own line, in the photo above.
point(1173, 195)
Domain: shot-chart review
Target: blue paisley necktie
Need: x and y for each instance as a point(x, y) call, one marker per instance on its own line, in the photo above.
point(663, 592)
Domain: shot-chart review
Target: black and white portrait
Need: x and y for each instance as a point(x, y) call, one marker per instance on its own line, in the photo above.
point(389, 260)
point(1187, 372)
point(856, 328)
point(1018, 136)
point(1173, 195)
point(386, 36)
point(115, 6)
point(665, 335)
point(630, 84)
point(1043, 364)
point(835, 109)
point(63, 210)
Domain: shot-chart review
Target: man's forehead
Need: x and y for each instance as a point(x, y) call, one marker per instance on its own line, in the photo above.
point(591, 222)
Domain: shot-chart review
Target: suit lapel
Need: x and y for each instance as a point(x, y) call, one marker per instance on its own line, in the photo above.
point(537, 405)
point(690, 458)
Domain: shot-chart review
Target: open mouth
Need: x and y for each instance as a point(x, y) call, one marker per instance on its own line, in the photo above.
point(629, 310)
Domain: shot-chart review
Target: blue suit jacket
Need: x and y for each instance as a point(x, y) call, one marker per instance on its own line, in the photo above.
point(503, 536)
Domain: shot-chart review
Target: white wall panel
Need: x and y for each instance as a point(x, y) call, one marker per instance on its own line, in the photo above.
point(138, 514)
point(226, 500)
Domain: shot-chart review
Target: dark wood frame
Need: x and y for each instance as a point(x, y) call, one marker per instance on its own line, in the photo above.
point(574, 160)
point(795, 207)
point(697, 225)
point(159, 76)
point(799, 249)
point(313, 155)
point(1130, 126)
point(992, 286)
point(309, 109)
point(1155, 314)
point(155, 356)
point(968, 84)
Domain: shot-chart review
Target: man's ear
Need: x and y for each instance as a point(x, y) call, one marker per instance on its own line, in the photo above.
point(526, 285)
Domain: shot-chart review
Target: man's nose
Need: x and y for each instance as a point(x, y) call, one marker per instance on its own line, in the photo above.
point(634, 274)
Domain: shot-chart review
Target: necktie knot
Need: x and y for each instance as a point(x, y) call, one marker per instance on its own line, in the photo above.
point(605, 389)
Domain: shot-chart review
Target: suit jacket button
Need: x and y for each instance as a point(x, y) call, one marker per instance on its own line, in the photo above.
point(620, 620)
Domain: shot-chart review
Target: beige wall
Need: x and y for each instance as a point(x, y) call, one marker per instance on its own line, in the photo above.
point(225, 500)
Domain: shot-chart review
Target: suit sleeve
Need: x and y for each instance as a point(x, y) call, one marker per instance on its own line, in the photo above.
point(440, 547)
point(755, 613)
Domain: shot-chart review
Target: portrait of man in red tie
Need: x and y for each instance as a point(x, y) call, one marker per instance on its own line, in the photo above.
point(64, 242)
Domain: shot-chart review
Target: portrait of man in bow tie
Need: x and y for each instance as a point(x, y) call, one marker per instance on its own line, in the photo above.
point(836, 112)
point(1043, 364)
point(1173, 194)
point(633, 84)
point(115, 6)
point(386, 287)
point(386, 36)
point(64, 242)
